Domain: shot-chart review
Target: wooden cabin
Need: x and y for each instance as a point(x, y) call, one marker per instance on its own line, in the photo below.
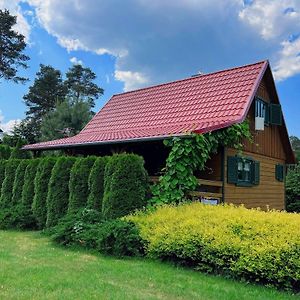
point(139, 121)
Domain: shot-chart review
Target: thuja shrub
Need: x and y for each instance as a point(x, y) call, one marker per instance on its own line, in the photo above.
point(41, 182)
point(58, 194)
point(22, 216)
point(293, 189)
point(96, 183)
point(28, 188)
point(8, 182)
point(125, 185)
point(2, 173)
point(6, 204)
point(248, 244)
point(19, 181)
point(11, 215)
point(78, 184)
point(5, 152)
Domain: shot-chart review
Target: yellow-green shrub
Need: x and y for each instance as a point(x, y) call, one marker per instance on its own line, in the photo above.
point(250, 244)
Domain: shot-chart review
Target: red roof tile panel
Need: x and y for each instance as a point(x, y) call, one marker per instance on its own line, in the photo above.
point(197, 104)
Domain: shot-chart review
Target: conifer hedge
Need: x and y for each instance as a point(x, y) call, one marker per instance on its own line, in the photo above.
point(5, 152)
point(19, 181)
point(28, 188)
point(58, 194)
point(8, 182)
point(96, 183)
point(125, 185)
point(6, 206)
point(22, 216)
point(2, 173)
point(78, 184)
point(41, 183)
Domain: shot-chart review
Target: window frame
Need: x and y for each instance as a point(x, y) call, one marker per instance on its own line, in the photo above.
point(259, 105)
point(244, 181)
point(233, 166)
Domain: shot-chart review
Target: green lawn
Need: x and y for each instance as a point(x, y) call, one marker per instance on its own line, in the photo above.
point(31, 267)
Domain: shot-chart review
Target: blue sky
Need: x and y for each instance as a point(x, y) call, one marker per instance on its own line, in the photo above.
point(135, 43)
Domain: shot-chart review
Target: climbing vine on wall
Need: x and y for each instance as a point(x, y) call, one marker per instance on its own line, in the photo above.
point(189, 154)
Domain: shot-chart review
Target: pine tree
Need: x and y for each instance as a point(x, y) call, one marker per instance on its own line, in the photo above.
point(80, 85)
point(12, 45)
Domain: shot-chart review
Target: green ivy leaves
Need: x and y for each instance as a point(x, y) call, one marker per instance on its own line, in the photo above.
point(189, 154)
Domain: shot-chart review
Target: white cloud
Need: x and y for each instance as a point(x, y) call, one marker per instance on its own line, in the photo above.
point(152, 41)
point(160, 40)
point(71, 44)
point(272, 19)
point(278, 22)
point(132, 80)
point(75, 61)
point(289, 60)
point(22, 25)
point(8, 126)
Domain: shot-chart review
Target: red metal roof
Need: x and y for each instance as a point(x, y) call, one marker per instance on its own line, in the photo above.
point(198, 104)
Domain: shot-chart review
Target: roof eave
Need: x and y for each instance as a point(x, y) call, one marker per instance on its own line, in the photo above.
point(86, 144)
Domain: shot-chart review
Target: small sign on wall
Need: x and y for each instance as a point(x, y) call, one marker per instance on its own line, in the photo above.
point(259, 123)
point(210, 201)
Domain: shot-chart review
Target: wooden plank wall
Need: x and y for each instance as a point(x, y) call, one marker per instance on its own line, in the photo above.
point(267, 142)
point(269, 192)
point(213, 168)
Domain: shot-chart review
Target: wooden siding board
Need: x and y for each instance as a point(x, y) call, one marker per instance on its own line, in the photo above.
point(267, 142)
point(269, 192)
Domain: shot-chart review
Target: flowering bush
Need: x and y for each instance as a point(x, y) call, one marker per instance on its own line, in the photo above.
point(249, 244)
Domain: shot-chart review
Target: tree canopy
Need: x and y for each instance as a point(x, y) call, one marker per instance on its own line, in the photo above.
point(295, 141)
point(46, 91)
point(80, 85)
point(66, 120)
point(12, 45)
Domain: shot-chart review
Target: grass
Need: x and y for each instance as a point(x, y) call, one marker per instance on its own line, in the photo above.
point(31, 267)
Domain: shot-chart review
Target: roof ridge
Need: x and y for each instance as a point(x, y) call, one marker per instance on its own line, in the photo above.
point(189, 78)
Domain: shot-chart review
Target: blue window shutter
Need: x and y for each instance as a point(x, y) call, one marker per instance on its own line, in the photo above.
point(275, 114)
point(232, 169)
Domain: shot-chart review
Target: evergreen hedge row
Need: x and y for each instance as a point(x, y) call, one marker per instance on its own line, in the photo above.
point(24, 216)
point(125, 185)
point(19, 182)
point(78, 184)
point(8, 182)
point(38, 192)
point(5, 152)
point(2, 173)
point(41, 183)
point(58, 194)
point(96, 183)
point(7, 208)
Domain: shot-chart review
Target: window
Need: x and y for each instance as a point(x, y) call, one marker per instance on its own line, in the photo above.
point(262, 109)
point(279, 172)
point(271, 112)
point(243, 171)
